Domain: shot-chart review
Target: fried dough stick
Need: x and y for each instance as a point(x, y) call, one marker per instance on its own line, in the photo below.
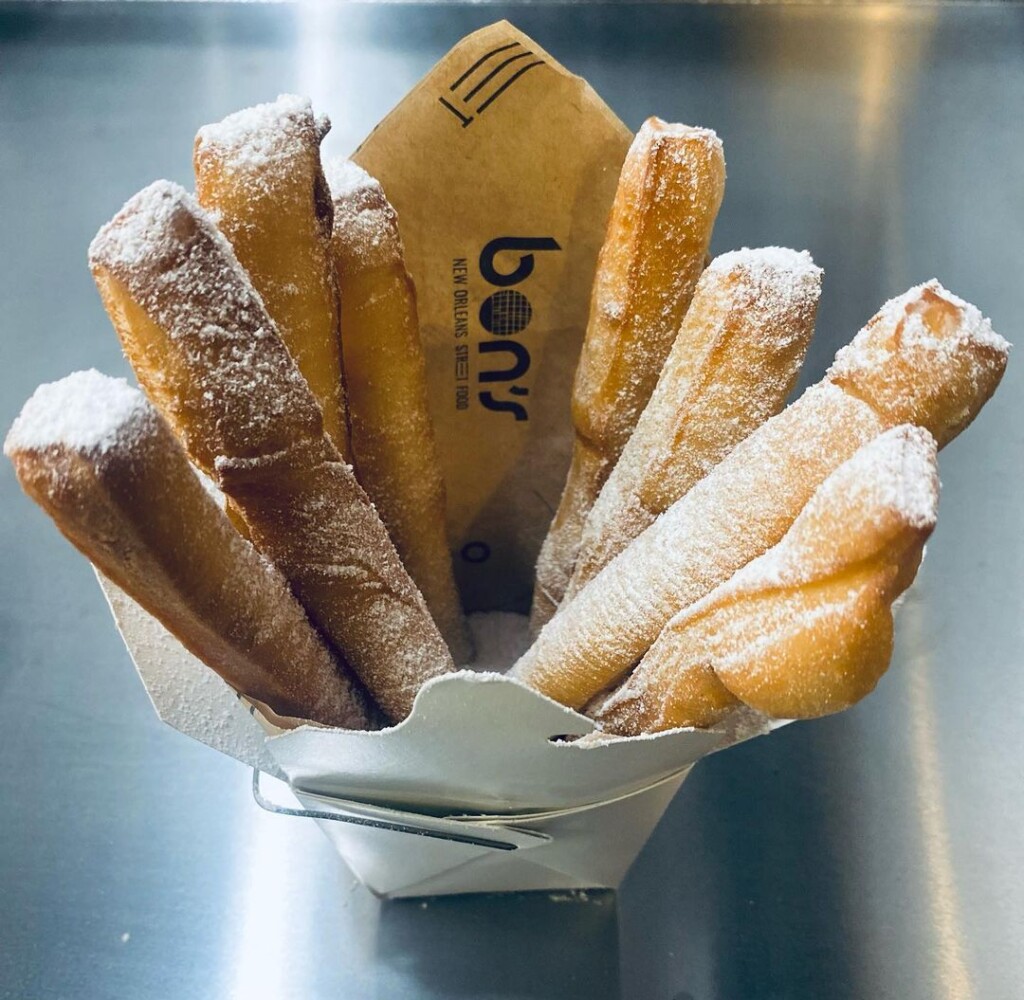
point(96, 456)
point(211, 360)
point(393, 443)
point(258, 174)
point(806, 629)
point(669, 192)
point(925, 358)
point(733, 364)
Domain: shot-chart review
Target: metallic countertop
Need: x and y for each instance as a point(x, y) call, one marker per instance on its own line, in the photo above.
point(875, 854)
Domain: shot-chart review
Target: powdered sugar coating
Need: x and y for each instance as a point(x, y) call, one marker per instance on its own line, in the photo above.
point(732, 365)
point(659, 230)
point(206, 349)
point(927, 357)
point(667, 200)
point(392, 432)
point(346, 177)
point(500, 638)
point(259, 175)
point(97, 457)
point(655, 128)
point(889, 483)
point(86, 411)
point(365, 224)
point(177, 265)
point(804, 627)
point(759, 265)
point(972, 327)
point(561, 547)
point(742, 508)
point(258, 137)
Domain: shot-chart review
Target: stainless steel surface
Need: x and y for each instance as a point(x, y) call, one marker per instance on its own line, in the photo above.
point(875, 854)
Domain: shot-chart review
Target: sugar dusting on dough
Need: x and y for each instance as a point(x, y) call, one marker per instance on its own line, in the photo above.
point(831, 569)
point(668, 196)
point(972, 328)
point(345, 177)
point(93, 415)
point(891, 481)
point(770, 273)
point(732, 365)
point(87, 411)
point(392, 434)
point(258, 414)
point(180, 268)
point(261, 135)
point(365, 224)
point(656, 130)
point(926, 357)
point(742, 508)
point(665, 206)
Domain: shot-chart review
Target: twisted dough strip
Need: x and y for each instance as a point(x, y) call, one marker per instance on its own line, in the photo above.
point(393, 443)
point(258, 174)
point(210, 358)
point(669, 192)
point(927, 357)
point(806, 629)
point(98, 459)
point(733, 363)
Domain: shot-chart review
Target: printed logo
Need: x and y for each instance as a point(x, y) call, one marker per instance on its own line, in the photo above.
point(504, 314)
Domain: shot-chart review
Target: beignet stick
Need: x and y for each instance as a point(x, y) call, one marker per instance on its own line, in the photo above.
point(732, 366)
point(738, 511)
point(393, 444)
point(95, 455)
point(258, 174)
point(659, 231)
point(210, 358)
point(806, 629)
point(747, 503)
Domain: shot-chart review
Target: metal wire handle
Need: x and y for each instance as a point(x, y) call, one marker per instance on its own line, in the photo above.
point(378, 824)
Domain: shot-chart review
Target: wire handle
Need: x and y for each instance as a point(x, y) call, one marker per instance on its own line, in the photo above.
point(356, 813)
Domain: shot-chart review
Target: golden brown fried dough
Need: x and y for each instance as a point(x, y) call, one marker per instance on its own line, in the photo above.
point(669, 192)
point(393, 443)
point(806, 629)
point(927, 358)
point(742, 508)
point(258, 174)
point(210, 358)
point(748, 502)
point(95, 455)
point(734, 362)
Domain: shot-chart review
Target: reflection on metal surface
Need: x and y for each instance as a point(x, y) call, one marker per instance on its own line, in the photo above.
point(890, 57)
point(267, 907)
point(952, 970)
point(892, 51)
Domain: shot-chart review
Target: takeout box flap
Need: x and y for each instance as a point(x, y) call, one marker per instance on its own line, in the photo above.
point(582, 849)
point(478, 743)
point(185, 692)
point(482, 743)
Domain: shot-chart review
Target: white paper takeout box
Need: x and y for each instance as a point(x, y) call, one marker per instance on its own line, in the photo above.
point(469, 794)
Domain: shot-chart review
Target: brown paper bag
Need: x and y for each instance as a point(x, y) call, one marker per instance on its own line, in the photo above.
point(502, 166)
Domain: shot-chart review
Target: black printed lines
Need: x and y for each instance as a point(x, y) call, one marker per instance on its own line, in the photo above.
point(487, 79)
